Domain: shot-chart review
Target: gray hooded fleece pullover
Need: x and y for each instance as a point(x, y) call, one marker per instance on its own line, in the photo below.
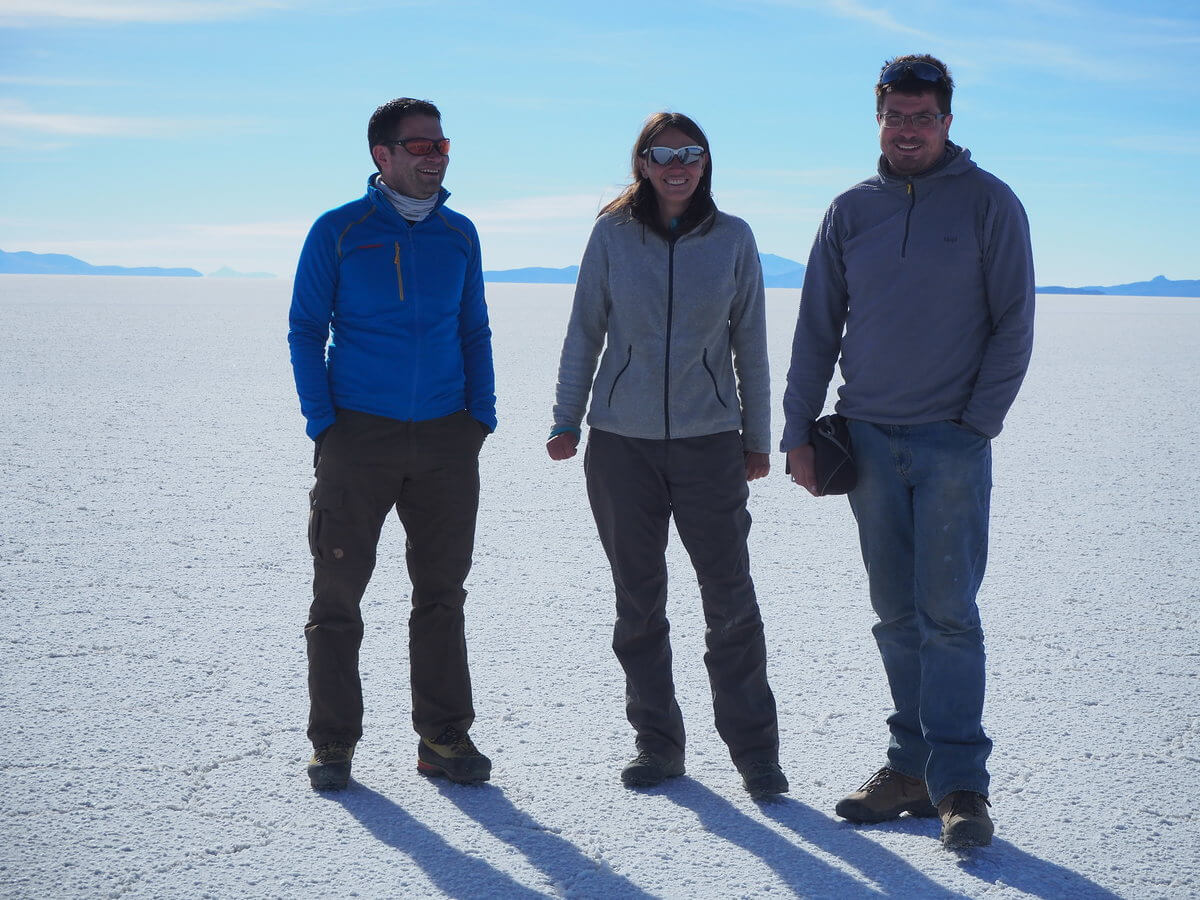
point(931, 278)
point(675, 320)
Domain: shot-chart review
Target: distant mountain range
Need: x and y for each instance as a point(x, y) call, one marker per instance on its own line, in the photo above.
point(778, 272)
point(23, 262)
point(1158, 286)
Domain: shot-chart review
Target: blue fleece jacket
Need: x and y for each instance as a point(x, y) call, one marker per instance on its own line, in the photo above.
point(402, 310)
point(924, 288)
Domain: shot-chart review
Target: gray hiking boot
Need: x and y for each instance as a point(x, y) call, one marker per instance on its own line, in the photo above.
point(965, 820)
point(886, 795)
point(453, 755)
point(648, 769)
point(329, 768)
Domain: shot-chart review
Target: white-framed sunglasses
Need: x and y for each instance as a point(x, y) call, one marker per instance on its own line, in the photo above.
point(664, 156)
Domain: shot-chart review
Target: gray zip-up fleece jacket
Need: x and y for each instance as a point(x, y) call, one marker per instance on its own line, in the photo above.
point(676, 320)
point(931, 278)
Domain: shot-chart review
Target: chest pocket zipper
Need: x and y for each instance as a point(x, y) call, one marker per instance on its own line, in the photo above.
point(399, 272)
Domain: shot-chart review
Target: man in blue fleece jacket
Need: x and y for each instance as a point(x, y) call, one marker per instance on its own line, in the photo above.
point(920, 285)
point(392, 355)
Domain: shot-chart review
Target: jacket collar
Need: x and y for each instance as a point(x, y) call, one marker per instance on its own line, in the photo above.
point(384, 205)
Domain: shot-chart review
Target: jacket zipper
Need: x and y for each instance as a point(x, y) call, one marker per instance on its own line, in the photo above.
point(912, 200)
point(418, 353)
point(667, 354)
point(399, 273)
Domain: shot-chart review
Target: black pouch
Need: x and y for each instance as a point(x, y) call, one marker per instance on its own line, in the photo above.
point(833, 456)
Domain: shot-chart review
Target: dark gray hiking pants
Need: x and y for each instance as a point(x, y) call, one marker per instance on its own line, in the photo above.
point(635, 486)
point(429, 473)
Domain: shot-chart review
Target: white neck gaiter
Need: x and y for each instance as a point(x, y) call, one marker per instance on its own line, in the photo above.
point(411, 208)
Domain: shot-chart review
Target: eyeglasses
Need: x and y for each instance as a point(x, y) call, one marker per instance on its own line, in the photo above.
point(422, 146)
point(922, 71)
point(664, 156)
point(919, 120)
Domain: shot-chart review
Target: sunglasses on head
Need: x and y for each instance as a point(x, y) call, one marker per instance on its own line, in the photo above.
point(921, 71)
point(664, 156)
point(422, 146)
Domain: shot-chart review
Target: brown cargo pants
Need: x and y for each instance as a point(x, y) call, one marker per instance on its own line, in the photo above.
point(429, 473)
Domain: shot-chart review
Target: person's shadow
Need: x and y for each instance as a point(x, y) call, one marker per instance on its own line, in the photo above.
point(999, 863)
point(461, 874)
point(881, 872)
point(805, 873)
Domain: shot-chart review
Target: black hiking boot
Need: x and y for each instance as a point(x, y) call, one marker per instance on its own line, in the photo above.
point(453, 755)
point(763, 778)
point(329, 768)
point(648, 769)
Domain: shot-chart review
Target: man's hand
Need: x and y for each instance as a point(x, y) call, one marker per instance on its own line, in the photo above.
point(801, 460)
point(317, 442)
point(562, 446)
point(757, 465)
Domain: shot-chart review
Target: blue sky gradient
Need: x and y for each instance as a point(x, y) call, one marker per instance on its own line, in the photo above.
point(211, 133)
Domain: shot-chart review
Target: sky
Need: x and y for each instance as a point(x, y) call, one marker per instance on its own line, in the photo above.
point(211, 133)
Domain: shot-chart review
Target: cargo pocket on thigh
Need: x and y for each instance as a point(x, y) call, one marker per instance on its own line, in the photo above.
point(321, 500)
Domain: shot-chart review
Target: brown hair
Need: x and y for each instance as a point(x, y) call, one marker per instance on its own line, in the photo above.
point(943, 89)
point(639, 201)
point(386, 118)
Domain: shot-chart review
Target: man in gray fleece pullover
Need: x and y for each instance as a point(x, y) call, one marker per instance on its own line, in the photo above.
point(920, 285)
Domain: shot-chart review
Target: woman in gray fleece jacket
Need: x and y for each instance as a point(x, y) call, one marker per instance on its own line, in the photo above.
point(671, 290)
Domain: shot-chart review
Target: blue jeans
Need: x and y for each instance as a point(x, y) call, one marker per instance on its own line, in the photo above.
point(922, 505)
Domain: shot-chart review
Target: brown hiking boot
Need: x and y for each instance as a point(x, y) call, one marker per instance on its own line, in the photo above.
point(885, 795)
point(965, 820)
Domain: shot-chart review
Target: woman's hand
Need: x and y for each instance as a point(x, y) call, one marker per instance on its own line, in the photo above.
point(562, 446)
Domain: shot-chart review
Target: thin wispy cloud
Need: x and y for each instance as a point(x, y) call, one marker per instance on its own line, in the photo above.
point(1050, 56)
point(296, 229)
point(56, 81)
point(1123, 19)
point(531, 214)
point(880, 17)
point(1186, 145)
point(248, 246)
point(18, 12)
point(816, 175)
point(22, 125)
point(71, 125)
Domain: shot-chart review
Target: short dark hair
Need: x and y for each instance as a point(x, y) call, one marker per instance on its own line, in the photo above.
point(640, 202)
point(943, 89)
point(385, 119)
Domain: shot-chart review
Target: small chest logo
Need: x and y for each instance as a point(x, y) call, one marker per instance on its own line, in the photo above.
point(951, 239)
